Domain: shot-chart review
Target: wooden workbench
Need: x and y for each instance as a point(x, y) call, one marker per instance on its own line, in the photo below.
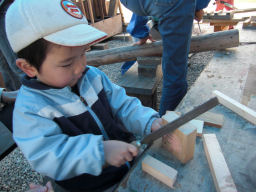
point(232, 72)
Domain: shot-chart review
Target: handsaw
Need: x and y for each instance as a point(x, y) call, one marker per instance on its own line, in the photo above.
point(170, 127)
point(148, 140)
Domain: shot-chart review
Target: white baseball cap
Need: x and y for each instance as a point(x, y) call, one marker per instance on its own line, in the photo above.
point(58, 21)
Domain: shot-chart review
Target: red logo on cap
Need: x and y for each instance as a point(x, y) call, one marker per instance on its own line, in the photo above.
point(71, 9)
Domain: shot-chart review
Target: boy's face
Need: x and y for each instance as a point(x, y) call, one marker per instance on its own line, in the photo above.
point(63, 66)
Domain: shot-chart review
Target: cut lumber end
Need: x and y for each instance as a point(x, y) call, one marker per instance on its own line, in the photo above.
point(212, 119)
point(159, 170)
point(199, 126)
point(235, 106)
point(222, 177)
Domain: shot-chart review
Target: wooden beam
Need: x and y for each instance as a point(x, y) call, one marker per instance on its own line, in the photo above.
point(213, 41)
point(235, 106)
point(221, 175)
point(212, 119)
point(159, 170)
point(186, 135)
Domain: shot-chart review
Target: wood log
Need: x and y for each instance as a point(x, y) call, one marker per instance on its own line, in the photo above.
point(213, 41)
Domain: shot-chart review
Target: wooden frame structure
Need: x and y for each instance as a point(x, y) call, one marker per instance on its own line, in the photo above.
point(103, 15)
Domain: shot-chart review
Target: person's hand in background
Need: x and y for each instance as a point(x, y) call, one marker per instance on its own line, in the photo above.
point(199, 15)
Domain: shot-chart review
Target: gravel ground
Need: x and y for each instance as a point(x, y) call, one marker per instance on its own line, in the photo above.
point(15, 171)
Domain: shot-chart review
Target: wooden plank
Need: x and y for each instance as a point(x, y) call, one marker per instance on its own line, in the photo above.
point(212, 119)
point(235, 106)
point(103, 2)
point(83, 8)
point(100, 3)
point(220, 172)
point(111, 26)
point(186, 135)
point(113, 5)
point(89, 3)
point(159, 170)
point(96, 8)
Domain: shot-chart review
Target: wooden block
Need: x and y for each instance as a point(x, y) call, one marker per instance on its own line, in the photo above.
point(221, 175)
point(99, 46)
point(199, 126)
point(240, 109)
point(187, 136)
point(212, 119)
point(159, 170)
point(136, 84)
point(148, 66)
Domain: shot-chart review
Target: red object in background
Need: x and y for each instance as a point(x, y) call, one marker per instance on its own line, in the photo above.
point(221, 6)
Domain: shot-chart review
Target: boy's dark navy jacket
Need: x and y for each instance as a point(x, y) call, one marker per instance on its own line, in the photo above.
point(61, 133)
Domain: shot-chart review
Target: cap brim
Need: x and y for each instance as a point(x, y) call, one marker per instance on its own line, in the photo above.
point(77, 35)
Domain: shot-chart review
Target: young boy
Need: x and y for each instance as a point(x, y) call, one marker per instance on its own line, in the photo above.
point(70, 121)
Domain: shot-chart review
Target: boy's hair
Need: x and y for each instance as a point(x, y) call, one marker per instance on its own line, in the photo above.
point(58, 21)
point(35, 53)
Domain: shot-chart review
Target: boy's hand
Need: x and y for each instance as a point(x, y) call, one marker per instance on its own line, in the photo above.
point(159, 122)
point(118, 152)
point(39, 188)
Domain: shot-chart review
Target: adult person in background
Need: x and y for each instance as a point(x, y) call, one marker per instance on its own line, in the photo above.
point(175, 20)
point(10, 72)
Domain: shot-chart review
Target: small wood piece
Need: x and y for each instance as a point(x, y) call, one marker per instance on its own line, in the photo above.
point(123, 37)
point(99, 46)
point(220, 172)
point(250, 23)
point(212, 119)
point(240, 109)
point(187, 136)
point(159, 170)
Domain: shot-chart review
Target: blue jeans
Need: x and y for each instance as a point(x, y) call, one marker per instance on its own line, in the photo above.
point(10, 72)
point(175, 26)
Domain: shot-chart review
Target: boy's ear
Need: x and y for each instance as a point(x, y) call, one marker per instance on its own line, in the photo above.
point(26, 67)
